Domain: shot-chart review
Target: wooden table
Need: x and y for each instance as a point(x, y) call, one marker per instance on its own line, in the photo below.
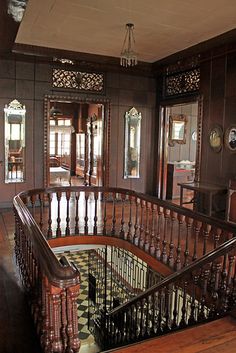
point(207, 189)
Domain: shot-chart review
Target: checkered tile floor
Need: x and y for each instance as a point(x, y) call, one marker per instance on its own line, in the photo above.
point(81, 260)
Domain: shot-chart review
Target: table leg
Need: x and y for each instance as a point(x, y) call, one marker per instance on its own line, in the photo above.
point(181, 196)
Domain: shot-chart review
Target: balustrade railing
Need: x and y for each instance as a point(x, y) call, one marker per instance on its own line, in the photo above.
point(201, 287)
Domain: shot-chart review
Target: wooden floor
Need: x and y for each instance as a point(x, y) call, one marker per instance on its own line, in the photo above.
point(16, 328)
point(215, 337)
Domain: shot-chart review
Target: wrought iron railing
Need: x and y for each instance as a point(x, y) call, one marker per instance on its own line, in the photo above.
point(197, 250)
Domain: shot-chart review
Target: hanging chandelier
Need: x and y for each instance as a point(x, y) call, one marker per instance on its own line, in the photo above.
point(128, 57)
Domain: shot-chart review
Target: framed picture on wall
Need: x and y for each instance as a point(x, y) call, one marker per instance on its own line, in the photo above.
point(216, 138)
point(230, 138)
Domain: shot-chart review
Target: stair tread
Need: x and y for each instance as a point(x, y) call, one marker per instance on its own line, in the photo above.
point(213, 337)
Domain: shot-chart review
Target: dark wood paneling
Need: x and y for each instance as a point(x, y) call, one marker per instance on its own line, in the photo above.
point(218, 86)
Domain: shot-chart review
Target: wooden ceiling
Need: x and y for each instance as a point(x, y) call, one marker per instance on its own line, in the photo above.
point(97, 27)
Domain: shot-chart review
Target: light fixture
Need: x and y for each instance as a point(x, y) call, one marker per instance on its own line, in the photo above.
point(128, 57)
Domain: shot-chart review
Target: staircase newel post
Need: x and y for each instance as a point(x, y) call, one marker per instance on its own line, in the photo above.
point(73, 342)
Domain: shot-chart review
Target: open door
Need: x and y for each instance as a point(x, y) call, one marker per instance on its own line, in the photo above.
point(179, 149)
point(76, 142)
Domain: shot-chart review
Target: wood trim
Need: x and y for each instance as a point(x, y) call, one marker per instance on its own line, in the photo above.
point(106, 130)
point(85, 60)
point(105, 240)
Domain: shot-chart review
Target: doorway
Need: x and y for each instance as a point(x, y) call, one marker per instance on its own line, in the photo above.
point(76, 142)
point(180, 145)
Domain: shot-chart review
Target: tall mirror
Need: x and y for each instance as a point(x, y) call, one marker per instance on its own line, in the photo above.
point(14, 142)
point(132, 144)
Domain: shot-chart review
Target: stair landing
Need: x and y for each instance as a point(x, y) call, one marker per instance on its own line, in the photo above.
point(218, 336)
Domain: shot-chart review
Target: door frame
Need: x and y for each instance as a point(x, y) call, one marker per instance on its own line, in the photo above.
point(106, 132)
point(163, 137)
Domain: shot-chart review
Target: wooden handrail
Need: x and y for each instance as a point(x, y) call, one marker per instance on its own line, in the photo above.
point(57, 274)
point(216, 222)
point(158, 229)
point(184, 272)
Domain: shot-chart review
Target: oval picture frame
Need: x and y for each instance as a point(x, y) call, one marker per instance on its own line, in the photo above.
point(216, 138)
point(230, 138)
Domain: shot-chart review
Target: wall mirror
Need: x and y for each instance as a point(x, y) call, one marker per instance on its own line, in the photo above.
point(177, 131)
point(230, 138)
point(14, 142)
point(132, 144)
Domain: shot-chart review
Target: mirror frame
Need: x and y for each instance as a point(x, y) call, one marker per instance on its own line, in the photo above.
point(14, 108)
point(172, 120)
point(106, 131)
point(132, 157)
point(227, 140)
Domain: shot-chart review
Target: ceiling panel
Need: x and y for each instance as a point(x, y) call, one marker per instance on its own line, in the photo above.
point(98, 26)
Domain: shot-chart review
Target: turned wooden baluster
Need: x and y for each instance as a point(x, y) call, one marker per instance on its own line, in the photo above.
point(227, 289)
point(141, 228)
point(63, 332)
point(175, 307)
point(77, 196)
point(129, 233)
point(55, 297)
point(173, 216)
point(153, 223)
point(153, 314)
point(160, 312)
point(67, 230)
point(136, 237)
point(233, 296)
point(192, 318)
point(44, 329)
point(58, 231)
point(147, 317)
point(73, 342)
point(178, 258)
point(224, 274)
point(216, 268)
point(146, 231)
point(206, 231)
point(167, 308)
point(196, 230)
point(204, 276)
point(183, 322)
point(122, 222)
point(49, 232)
point(86, 196)
point(105, 213)
point(158, 235)
point(216, 236)
point(113, 228)
point(41, 203)
point(141, 308)
point(95, 219)
point(189, 222)
point(164, 241)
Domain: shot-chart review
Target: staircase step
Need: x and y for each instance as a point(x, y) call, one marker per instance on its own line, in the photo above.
point(216, 336)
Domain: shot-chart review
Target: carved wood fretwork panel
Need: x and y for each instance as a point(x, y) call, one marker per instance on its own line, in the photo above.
point(82, 81)
point(182, 83)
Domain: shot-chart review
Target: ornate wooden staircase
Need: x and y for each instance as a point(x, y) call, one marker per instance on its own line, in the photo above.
point(194, 252)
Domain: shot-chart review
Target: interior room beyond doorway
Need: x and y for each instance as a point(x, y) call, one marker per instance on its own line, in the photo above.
point(181, 149)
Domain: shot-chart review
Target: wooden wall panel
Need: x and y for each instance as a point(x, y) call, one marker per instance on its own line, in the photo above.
point(218, 87)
